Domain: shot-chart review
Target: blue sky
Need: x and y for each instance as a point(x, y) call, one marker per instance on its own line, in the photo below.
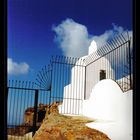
point(39, 29)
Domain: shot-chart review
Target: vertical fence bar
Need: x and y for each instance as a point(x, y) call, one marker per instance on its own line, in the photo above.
point(35, 111)
point(85, 84)
point(51, 78)
point(129, 43)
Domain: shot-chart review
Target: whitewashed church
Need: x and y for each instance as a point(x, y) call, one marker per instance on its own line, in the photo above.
point(104, 100)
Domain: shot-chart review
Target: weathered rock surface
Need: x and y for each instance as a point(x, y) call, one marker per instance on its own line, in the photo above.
point(60, 127)
point(27, 125)
point(19, 130)
point(29, 114)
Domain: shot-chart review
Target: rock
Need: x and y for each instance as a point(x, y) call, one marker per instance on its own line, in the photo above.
point(60, 127)
point(41, 111)
point(19, 130)
point(27, 126)
point(29, 114)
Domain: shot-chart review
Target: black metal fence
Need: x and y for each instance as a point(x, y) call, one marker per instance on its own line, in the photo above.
point(24, 105)
point(65, 84)
point(68, 81)
point(112, 61)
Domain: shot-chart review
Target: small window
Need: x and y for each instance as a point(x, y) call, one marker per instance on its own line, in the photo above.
point(102, 74)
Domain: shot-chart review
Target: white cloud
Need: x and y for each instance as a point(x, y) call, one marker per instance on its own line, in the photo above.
point(15, 68)
point(73, 38)
point(109, 34)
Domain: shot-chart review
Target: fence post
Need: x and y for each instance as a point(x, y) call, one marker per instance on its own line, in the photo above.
point(85, 85)
point(35, 111)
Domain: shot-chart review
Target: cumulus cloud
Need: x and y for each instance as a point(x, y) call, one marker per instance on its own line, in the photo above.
point(74, 40)
point(15, 68)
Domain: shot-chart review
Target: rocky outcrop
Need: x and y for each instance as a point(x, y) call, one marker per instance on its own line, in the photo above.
point(29, 114)
point(60, 127)
point(27, 125)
